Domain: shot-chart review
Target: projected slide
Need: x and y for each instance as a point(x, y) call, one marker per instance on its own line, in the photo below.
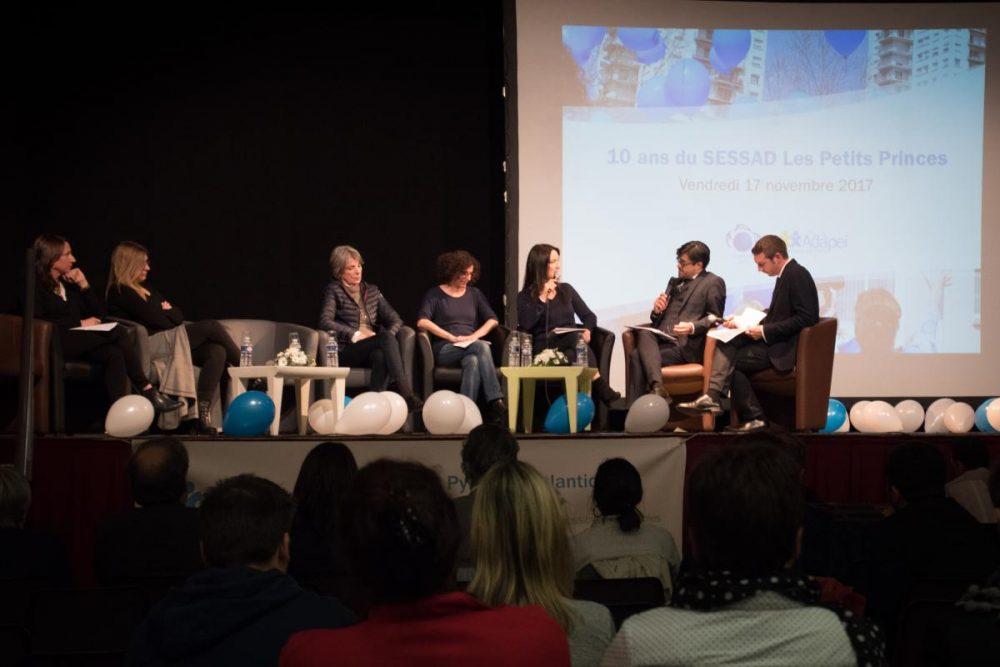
point(863, 149)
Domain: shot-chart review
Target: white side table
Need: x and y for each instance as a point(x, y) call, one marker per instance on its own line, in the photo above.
point(303, 376)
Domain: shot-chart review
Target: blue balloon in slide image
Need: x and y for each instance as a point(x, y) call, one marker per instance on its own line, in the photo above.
point(687, 83)
point(557, 420)
point(731, 46)
point(653, 92)
point(717, 64)
point(650, 56)
point(639, 39)
point(249, 414)
point(836, 415)
point(982, 423)
point(844, 41)
point(581, 40)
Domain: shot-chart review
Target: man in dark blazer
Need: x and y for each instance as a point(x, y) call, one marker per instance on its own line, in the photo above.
point(693, 301)
point(771, 344)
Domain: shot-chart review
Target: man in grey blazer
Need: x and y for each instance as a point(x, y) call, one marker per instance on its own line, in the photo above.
point(686, 310)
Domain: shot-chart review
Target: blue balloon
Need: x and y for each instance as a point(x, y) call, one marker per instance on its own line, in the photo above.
point(982, 423)
point(639, 39)
point(731, 46)
point(652, 55)
point(717, 64)
point(581, 40)
point(249, 414)
point(844, 41)
point(557, 420)
point(347, 399)
point(687, 83)
point(836, 415)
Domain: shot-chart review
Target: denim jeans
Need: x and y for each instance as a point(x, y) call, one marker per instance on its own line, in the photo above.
point(477, 369)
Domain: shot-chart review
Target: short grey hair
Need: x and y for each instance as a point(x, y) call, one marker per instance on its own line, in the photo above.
point(15, 497)
point(339, 257)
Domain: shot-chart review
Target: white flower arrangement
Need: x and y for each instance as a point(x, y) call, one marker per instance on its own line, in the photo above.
point(294, 356)
point(550, 357)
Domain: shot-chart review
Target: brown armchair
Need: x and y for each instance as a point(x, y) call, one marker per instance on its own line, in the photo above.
point(10, 363)
point(683, 381)
point(798, 399)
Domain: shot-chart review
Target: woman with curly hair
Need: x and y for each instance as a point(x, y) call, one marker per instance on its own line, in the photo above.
point(457, 316)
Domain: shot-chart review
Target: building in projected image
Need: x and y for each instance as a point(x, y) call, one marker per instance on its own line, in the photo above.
point(922, 57)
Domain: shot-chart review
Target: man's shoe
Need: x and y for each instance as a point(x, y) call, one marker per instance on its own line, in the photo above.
point(700, 405)
point(161, 402)
point(748, 427)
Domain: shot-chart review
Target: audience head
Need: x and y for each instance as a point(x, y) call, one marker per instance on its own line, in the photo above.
point(914, 470)
point(696, 252)
point(746, 508)
point(520, 542)
point(15, 497)
point(129, 267)
point(339, 258)
point(400, 530)
point(536, 269)
point(485, 446)
point(780, 439)
point(618, 492)
point(245, 521)
point(970, 454)
point(52, 252)
point(453, 266)
point(324, 478)
point(158, 471)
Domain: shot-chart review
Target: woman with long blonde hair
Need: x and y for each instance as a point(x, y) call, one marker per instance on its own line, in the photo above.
point(131, 298)
point(522, 554)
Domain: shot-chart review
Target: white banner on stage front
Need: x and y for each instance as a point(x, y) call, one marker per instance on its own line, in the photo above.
point(569, 463)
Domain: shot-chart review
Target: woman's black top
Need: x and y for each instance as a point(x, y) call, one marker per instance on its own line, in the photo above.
point(458, 315)
point(342, 315)
point(79, 305)
point(125, 302)
point(539, 318)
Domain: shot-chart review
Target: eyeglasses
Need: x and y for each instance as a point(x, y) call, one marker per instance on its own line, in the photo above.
point(684, 262)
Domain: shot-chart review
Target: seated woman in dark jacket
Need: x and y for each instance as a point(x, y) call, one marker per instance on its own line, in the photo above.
point(365, 324)
point(544, 304)
point(457, 315)
point(211, 346)
point(63, 297)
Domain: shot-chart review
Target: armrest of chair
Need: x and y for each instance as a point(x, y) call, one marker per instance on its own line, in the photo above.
point(406, 338)
point(603, 342)
point(498, 339)
point(426, 359)
point(814, 369)
point(140, 335)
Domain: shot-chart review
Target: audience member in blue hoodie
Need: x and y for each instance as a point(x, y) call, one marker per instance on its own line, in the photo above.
point(244, 607)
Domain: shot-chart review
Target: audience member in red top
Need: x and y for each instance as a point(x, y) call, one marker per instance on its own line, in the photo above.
point(401, 534)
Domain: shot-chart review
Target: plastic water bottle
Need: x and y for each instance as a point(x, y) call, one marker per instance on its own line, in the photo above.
point(246, 350)
point(581, 352)
point(293, 341)
point(514, 350)
point(526, 357)
point(332, 350)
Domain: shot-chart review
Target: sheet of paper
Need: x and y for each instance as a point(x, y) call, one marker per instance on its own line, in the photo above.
point(654, 330)
point(565, 330)
point(106, 326)
point(468, 343)
point(750, 317)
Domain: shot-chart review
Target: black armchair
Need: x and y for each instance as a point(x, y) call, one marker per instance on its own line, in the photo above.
point(439, 377)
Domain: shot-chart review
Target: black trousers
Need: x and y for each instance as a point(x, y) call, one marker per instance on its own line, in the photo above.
point(211, 349)
point(732, 363)
point(381, 353)
point(115, 350)
point(648, 359)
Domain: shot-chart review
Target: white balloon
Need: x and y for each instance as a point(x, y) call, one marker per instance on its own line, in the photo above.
point(993, 413)
point(911, 415)
point(472, 418)
point(398, 413)
point(318, 419)
point(845, 427)
point(959, 418)
point(128, 416)
point(934, 418)
point(443, 412)
point(855, 414)
point(648, 414)
point(365, 414)
point(880, 417)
